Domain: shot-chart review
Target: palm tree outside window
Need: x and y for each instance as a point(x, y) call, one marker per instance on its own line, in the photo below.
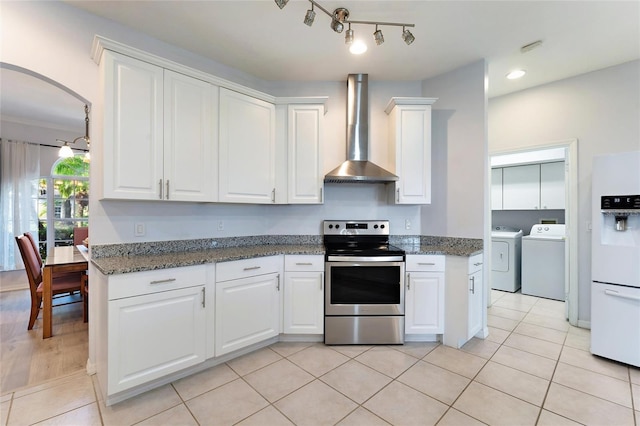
point(67, 192)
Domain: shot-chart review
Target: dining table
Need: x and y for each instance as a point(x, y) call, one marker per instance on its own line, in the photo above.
point(59, 259)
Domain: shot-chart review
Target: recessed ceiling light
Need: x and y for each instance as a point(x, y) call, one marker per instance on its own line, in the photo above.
point(358, 47)
point(516, 74)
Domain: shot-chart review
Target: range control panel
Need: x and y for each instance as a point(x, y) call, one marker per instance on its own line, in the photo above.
point(353, 227)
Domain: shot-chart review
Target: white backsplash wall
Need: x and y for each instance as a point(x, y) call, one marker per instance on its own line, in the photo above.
point(165, 221)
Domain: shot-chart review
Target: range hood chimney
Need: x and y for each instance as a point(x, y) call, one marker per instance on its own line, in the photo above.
point(358, 168)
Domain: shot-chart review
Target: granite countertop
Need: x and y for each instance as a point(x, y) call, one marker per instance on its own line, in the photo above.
point(147, 262)
point(136, 257)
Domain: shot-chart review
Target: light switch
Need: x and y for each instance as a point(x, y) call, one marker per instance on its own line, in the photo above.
point(139, 229)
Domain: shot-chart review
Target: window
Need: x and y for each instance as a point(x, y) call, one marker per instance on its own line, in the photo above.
point(67, 190)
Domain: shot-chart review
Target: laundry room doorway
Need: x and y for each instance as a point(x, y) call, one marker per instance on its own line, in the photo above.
point(531, 189)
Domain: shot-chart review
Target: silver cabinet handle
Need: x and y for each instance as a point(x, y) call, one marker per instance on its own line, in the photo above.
point(168, 280)
point(167, 189)
point(252, 268)
point(304, 263)
point(622, 296)
point(398, 195)
point(473, 285)
point(321, 194)
point(160, 189)
point(204, 296)
point(278, 283)
point(426, 263)
point(273, 195)
point(408, 281)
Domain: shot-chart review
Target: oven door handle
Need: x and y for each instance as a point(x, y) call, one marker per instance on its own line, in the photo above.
point(371, 259)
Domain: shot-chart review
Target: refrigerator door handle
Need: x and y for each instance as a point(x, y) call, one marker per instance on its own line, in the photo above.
point(621, 295)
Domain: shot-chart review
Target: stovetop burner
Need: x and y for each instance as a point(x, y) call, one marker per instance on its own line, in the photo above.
point(358, 238)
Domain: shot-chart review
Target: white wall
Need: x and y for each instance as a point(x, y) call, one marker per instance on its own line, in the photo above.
point(600, 109)
point(459, 153)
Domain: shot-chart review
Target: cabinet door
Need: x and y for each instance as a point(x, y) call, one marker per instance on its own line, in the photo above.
point(475, 304)
point(133, 130)
point(552, 188)
point(496, 189)
point(304, 136)
point(521, 187)
point(411, 139)
point(247, 312)
point(153, 335)
point(424, 303)
point(190, 139)
point(247, 149)
point(304, 303)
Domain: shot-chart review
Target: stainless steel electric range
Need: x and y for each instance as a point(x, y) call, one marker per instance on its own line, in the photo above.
point(364, 291)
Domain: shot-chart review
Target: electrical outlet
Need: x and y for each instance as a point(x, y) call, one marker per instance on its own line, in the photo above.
point(220, 225)
point(139, 229)
point(407, 224)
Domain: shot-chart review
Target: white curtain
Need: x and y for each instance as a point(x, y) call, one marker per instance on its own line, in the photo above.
point(19, 173)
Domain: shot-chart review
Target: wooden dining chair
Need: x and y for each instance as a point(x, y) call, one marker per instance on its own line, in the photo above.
point(62, 285)
point(80, 233)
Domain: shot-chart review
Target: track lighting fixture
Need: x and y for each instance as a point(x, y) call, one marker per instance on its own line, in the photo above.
point(65, 150)
point(378, 37)
point(281, 3)
point(407, 36)
point(310, 16)
point(340, 17)
point(348, 36)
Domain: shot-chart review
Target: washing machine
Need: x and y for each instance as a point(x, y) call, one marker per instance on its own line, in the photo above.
point(506, 251)
point(543, 262)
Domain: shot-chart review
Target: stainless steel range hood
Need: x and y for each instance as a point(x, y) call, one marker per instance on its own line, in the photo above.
point(358, 168)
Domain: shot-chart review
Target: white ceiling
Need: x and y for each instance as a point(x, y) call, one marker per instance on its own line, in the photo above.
point(272, 44)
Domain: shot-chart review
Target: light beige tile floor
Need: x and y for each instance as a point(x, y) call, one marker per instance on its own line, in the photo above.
point(533, 369)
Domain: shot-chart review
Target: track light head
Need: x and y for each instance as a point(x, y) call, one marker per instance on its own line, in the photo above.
point(378, 37)
point(407, 36)
point(339, 16)
point(310, 16)
point(281, 3)
point(348, 36)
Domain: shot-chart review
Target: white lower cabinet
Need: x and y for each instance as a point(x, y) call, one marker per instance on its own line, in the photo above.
point(248, 304)
point(464, 311)
point(424, 295)
point(303, 294)
point(156, 325)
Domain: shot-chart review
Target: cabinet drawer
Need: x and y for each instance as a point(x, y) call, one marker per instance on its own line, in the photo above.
point(303, 263)
point(247, 267)
point(428, 262)
point(475, 263)
point(146, 282)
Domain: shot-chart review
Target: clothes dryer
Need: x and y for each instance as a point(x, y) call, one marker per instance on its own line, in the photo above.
point(506, 253)
point(543, 262)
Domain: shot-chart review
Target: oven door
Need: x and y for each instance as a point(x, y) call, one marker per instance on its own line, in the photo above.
point(364, 287)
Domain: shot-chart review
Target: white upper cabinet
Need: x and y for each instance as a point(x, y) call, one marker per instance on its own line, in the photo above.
point(528, 187)
point(133, 129)
point(521, 187)
point(496, 189)
point(247, 149)
point(190, 138)
point(304, 148)
point(552, 186)
point(410, 148)
point(159, 135)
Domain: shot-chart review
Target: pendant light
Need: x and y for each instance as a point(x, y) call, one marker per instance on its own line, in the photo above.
point(66, 151)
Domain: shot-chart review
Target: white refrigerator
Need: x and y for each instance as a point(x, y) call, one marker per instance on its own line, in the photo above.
point(615, 258)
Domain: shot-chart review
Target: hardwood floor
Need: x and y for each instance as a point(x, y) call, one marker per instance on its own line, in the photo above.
point(25, 357)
